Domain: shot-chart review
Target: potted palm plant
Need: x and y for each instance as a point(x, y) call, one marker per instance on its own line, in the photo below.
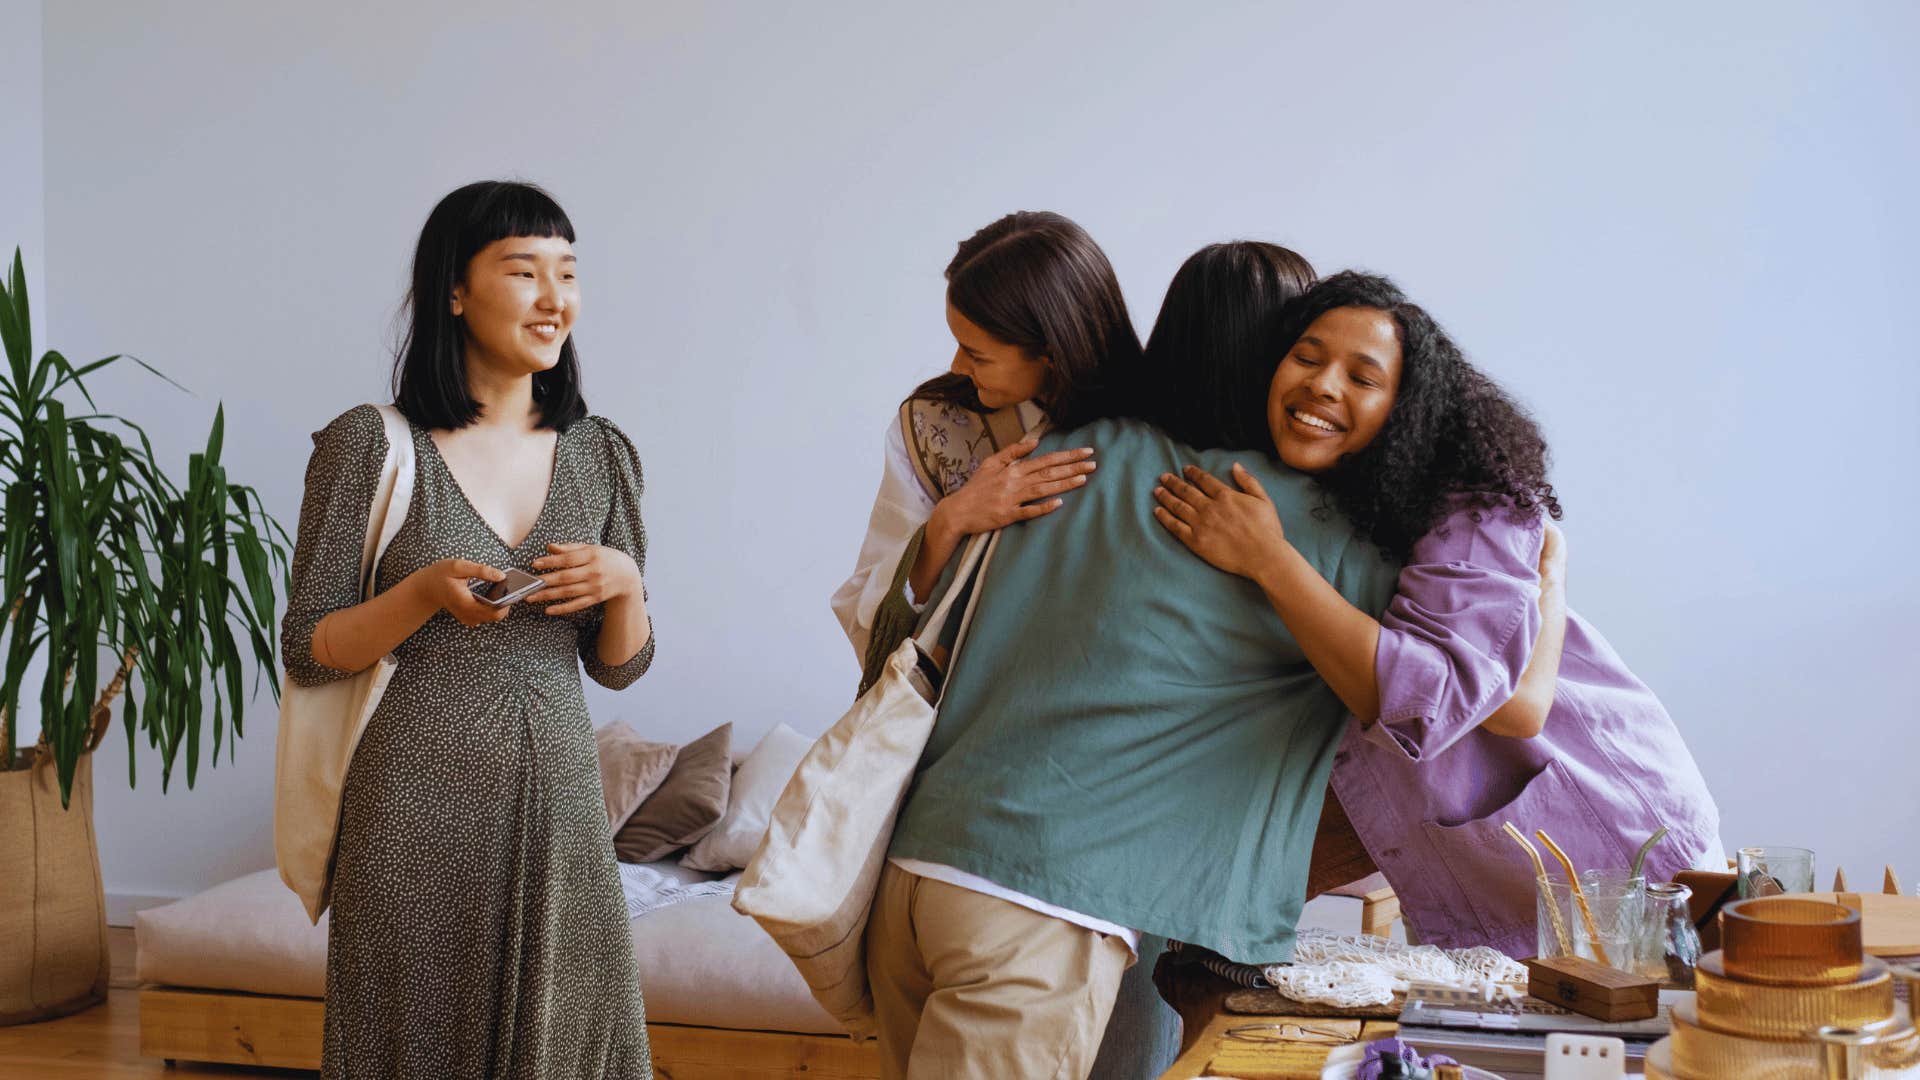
point(102, 555)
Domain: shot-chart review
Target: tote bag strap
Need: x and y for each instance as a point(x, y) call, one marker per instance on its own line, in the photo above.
point(973, 596)
point(969, 579)
point(396, 484)
point(965, 576)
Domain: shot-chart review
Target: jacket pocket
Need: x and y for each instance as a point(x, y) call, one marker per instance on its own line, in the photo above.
point(1495, 877)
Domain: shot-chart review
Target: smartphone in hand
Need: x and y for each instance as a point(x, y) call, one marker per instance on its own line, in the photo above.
point(518, 586)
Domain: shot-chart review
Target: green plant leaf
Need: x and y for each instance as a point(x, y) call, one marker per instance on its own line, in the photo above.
point(58, 363)
point(218, 434)
point(16, 329)
point(103, 549)
point(130, 718)
point(75, 375)
point(253, 566)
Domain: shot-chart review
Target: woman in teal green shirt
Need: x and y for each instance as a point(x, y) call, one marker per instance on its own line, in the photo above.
point(1128, 739)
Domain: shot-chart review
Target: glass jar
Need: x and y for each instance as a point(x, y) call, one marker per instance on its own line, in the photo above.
point(1671, 948)
point(1608, 927)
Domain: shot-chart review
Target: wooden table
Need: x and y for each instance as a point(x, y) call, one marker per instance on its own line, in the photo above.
point(1199, 996)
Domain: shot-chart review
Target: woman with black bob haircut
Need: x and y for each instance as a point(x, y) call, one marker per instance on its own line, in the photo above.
point(478, 927)
point(430, 372)
point(1041, 335)
point(1477, 697)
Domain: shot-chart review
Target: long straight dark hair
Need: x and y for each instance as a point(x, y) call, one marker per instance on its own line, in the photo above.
point(430, 367)
point(1216, 343)
point(1037, 280)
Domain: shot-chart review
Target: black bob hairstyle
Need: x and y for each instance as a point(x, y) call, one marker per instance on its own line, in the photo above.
point(1452, 431)
point(430, 369)
point(1037, 280)
point(1213, 349)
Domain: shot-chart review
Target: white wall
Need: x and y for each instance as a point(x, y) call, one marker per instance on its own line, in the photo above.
point(1684, 235)
point(22, 168)
point(23, 205)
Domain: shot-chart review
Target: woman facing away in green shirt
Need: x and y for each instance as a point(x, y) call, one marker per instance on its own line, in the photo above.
point(1129, 744)
point(1041, 336)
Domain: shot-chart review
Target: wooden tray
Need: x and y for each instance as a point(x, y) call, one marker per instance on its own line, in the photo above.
point(1889, 925)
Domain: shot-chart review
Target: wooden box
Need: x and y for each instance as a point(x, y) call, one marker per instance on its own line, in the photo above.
point(1592, 989)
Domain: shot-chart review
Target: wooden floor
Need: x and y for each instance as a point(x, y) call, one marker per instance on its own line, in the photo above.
point(102, 1043)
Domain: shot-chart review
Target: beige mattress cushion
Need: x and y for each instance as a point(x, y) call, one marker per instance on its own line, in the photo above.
point(246, 934)
point(700, 961)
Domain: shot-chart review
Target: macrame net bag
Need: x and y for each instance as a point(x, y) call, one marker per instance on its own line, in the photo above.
point(1347, 970)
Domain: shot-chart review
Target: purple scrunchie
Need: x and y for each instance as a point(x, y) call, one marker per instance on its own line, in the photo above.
point(1372, 1067)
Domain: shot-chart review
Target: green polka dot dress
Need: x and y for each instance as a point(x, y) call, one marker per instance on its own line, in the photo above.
point(477, 927)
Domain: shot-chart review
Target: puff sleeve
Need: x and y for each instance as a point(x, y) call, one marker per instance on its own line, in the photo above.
point(626, 531)
point(343, 476)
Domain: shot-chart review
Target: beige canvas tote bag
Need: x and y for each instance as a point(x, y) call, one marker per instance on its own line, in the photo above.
point(812, 882)
point(321, 725)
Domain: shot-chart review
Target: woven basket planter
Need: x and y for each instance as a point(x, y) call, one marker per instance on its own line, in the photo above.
point(53, 915)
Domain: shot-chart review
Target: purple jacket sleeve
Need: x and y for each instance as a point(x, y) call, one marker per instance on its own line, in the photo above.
point(1459, 631)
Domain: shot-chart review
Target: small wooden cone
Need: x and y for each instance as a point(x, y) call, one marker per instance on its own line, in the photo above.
point(1839, 879)
point(1892, 885)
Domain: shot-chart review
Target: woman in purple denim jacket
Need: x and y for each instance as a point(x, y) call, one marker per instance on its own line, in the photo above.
point(1478, 698)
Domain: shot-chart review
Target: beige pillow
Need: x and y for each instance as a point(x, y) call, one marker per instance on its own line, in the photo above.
point(631, 768)
point(756, 787)
point(687, 805)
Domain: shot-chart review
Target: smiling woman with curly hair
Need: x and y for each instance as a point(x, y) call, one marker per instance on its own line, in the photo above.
point(1454, 435)
point(1478, 698)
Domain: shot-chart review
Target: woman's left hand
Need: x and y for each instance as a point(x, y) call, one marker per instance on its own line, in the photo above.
point(1238, 531)
point(580, 576)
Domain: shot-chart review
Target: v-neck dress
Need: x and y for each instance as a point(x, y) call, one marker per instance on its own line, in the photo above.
point(477, 927)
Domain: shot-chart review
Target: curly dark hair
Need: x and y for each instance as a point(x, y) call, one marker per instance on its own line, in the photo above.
point(1452, 431)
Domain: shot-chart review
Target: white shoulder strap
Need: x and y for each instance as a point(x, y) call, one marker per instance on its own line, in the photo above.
point(393, 497)
point(973, 597)
point(972, 570)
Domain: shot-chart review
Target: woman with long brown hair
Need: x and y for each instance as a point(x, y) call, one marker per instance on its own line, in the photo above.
point(1041, 335)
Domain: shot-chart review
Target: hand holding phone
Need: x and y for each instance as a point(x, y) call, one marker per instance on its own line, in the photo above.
point(517, 585)
point(447, 585)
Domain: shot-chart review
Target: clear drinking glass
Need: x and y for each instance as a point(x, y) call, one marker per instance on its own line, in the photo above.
point(1553, 909)
point(1671, 948)
point(1610, 926)
point(1765, 871)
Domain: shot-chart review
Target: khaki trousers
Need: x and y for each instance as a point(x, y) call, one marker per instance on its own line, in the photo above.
point(970, 987)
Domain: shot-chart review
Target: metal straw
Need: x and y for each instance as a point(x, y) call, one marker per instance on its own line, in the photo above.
point(1579, 896)
point(1640, 857)
point(1545, 885)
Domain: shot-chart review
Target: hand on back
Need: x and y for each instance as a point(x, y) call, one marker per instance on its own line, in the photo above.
point(1010, 487)
point(1236, 529)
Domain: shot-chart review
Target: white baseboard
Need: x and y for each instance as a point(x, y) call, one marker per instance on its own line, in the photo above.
point(121, 907)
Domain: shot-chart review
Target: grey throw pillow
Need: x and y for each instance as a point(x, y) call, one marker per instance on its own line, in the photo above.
point(631, 768)
point(686, 806)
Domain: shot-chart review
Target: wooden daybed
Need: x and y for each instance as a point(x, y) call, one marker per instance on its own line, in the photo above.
point(234, 976)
